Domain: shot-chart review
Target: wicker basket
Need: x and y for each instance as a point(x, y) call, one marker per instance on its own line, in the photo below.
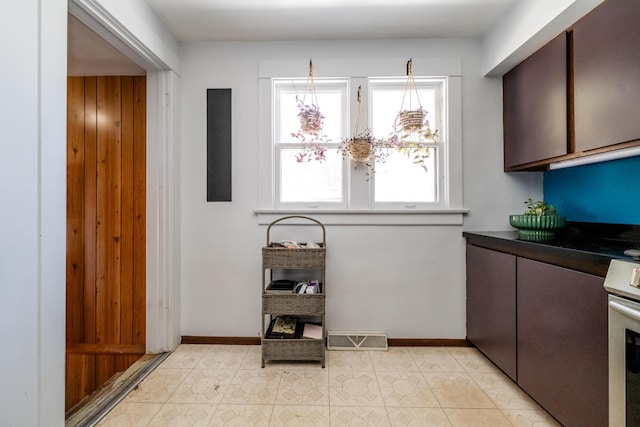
point(294, 304)
point(311, 122)
point(360, 150)
point(278, 257)
point(274, 256)
point(293, 349)
point(412, 120)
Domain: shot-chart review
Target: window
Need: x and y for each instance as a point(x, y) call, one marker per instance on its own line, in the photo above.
point(338, 186)
point(399, 182)
point(301, 181)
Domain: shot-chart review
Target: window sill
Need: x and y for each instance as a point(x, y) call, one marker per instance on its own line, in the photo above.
point(368, 217)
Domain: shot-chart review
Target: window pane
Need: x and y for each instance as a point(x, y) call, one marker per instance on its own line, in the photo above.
point(330, 103)
point(399, 180)
point(310, 181)
point(386, 102)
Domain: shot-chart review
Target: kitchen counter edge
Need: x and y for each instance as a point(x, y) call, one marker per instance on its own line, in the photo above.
point(508, 242)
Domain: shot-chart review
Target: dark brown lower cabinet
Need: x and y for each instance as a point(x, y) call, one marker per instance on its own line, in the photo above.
point(546, 327)
point(491, 306)
point(562, 342)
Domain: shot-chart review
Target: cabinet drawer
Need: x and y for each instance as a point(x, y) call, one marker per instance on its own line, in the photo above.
point(293, 304)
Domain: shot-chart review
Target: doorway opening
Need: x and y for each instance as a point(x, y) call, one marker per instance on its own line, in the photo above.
point(149, 328)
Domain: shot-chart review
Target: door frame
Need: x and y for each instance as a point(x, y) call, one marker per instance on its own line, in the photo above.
point(162, 232)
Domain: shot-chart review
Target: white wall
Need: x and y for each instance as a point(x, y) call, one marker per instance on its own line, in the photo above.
point(32, 212)
point(406, 280)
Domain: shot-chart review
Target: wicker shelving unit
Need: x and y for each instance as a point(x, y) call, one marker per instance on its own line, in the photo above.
point(280, 262)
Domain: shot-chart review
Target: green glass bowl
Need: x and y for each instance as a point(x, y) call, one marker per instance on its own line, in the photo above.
point(537, 228)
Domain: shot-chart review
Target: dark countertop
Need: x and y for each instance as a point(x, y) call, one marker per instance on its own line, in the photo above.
point(586, 247)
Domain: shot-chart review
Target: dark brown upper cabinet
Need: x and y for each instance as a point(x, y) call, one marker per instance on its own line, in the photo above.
point(606, 49)
point(535, 107)
point(578, 95)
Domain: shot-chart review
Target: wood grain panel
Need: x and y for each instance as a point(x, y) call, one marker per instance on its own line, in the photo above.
point(83, 380)
point(126, 227)
point(75, 211)
point(122, 349)
point(90, 206)
point(121, 363)
point(139, 209)
point(106, 261)
point(109, 208)
point(105, 368)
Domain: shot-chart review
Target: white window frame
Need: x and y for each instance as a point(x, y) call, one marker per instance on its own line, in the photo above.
point(449, 211)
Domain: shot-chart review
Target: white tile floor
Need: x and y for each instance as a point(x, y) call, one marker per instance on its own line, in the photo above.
point(223, 385)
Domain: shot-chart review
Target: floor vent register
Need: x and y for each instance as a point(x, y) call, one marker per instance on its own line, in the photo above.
point(341, 340)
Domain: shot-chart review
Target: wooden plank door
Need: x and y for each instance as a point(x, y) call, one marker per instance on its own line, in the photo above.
point(106, 220)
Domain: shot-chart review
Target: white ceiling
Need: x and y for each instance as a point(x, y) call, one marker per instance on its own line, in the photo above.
point(280, 20)
point(251, 20)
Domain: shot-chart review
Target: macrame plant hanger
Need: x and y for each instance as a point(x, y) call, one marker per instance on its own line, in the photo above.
point(361, 143)
point(411, 129)
point(310, 116)
point(410, 120)
point(310, 131)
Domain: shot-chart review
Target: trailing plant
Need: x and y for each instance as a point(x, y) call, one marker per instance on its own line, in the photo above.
point(363, 147)
point(311, 123)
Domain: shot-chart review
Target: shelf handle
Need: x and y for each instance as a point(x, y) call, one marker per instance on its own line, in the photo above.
point(324, 232)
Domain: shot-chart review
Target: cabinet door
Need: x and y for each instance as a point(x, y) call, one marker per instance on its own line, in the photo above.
point(606, 52)
point(491, 306)
point(562, 342)
point(535, 106)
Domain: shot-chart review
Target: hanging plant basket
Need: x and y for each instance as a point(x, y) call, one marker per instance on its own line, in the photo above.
point(363, 147)
point(411, 120)
point(310, 119)
point(411, 133)
point(360, 149)
point(311, 123)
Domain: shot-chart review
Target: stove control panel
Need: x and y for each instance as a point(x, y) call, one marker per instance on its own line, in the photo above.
point(635, 277)
point(623, 279)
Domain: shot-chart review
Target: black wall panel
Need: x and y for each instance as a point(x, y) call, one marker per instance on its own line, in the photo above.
point(218, 145)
